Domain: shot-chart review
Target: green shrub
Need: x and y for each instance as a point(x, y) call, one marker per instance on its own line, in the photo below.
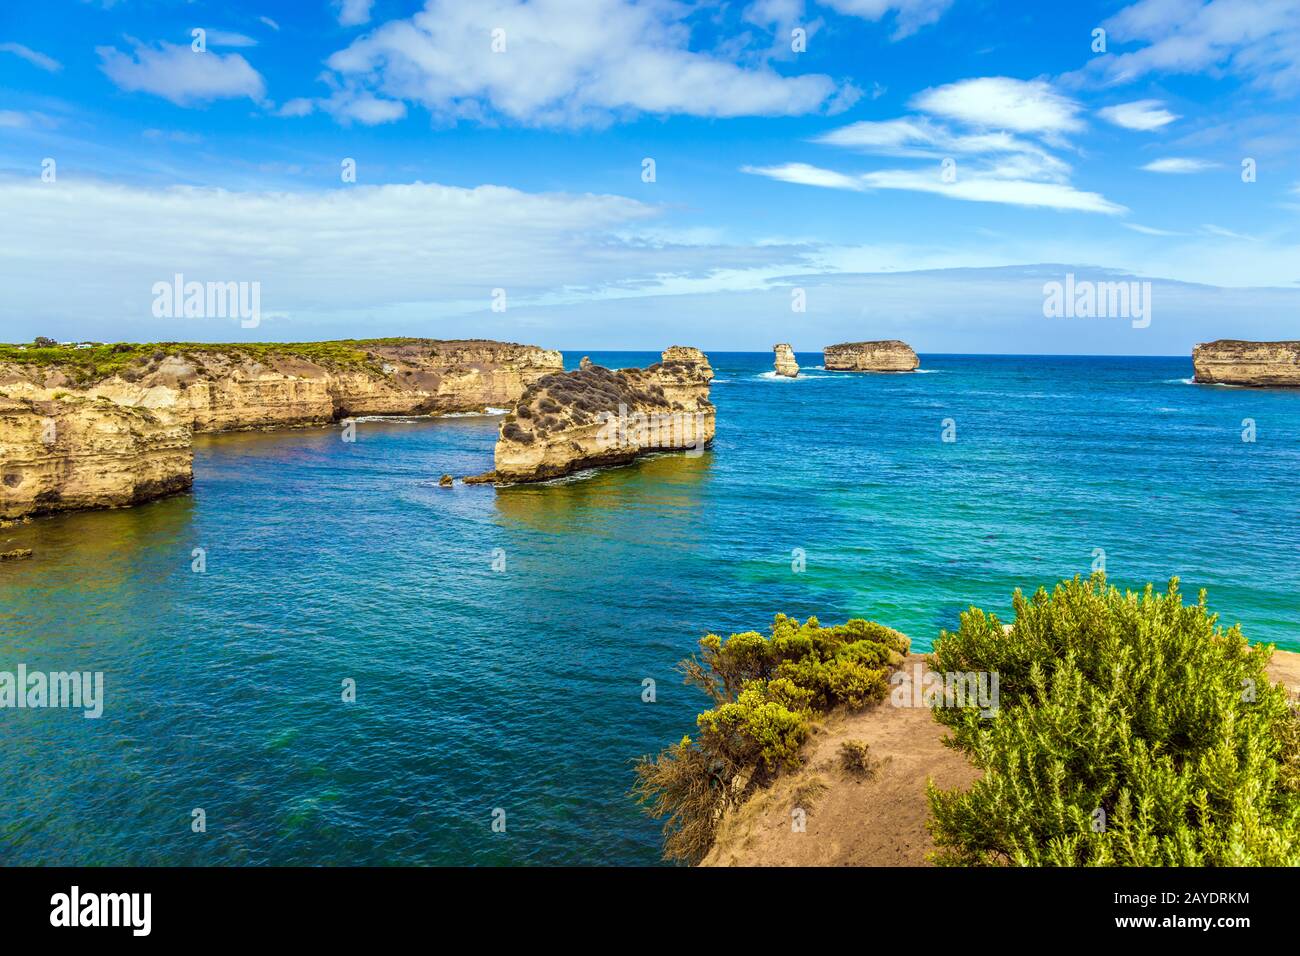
point(766, 693)
point(1131, 731)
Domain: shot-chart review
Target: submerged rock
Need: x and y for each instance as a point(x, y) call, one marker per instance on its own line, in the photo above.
point(595, 416)
point(18, 554)
point(785, 363)
point(1237, 362)
point(889, 355)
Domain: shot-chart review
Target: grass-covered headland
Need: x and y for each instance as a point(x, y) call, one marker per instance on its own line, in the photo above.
point(1130, 730)
point(103, 360)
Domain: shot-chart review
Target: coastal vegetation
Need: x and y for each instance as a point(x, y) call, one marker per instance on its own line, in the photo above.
point(97, 360)
point(767, 691)
point(1132, 730)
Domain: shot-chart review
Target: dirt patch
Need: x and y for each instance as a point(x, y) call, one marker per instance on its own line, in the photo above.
point(855, 819)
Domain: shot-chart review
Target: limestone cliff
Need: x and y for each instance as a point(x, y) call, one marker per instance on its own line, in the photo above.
point(785, 363)
point(75, 452)
point(594, 416)
point(233, 387)
point(890, 355)
point(175, 389)
point(1234, 362)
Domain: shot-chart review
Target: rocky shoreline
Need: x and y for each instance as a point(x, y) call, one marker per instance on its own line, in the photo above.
point(113, 426)
point(1255, 364)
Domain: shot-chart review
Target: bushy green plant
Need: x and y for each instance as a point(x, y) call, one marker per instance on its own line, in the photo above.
point(1132, 730)
point(766, 692)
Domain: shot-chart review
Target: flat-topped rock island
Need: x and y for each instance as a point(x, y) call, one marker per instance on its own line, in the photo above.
point(889, 355)
point(1238, 362)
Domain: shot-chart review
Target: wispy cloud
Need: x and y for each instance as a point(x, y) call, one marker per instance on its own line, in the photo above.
point(1179, 165)
point(909, 15)
point(1008, 191)
point(1256, 39)
point(1143, 115)
point(35, 58)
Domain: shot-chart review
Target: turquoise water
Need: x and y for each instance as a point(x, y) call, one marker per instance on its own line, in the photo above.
point(521, 689)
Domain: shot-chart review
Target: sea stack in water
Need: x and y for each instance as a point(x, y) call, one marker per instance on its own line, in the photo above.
point(890, 355)
point(1235, 362)
point(595, 416)
point(785, 363)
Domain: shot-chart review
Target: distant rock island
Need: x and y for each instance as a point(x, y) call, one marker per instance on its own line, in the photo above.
point(889, 355)
point(112, 425)
point(1236, 362)
point(593, 417)
point(785, 363)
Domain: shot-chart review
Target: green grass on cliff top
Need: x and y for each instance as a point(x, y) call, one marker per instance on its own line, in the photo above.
point(106, 359)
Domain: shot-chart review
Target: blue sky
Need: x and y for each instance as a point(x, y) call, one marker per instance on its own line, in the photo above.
point(521, 168)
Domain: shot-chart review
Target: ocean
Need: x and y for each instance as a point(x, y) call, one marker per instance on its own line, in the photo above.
point(499, 640)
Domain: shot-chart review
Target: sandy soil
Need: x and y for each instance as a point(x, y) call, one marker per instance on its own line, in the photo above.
point(879, 821)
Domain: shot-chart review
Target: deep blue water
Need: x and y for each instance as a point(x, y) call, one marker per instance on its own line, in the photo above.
point(521, 689)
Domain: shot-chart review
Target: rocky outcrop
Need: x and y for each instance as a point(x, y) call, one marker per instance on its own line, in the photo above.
point(595, 416)
point(124, 408)
point(890, 355)
point(785, 363)
point(1235, 362)
point(74, 452)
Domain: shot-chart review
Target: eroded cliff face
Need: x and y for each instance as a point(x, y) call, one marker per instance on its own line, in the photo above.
point(595, 416)
point(220, 388)
point(160, 396)
point(1235, 362)
point(71, 452)
point(889, 355)
point(785, 363)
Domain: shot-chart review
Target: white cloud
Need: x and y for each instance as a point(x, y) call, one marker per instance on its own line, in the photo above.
point(558, 68)
point(18, 119)
point(982, 160)
point(354, 12)
point(1259, 39)
point(1000, 102)
point(1179, 165)
point(980, 188)
point(1143, 115)
point(348, 106)
point(179, 74)
point(924, 138)
point(805, 175)
point(35, 58)
point(358, 251)
point(1151, 230)
point(270, 23)
point(910, 15)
